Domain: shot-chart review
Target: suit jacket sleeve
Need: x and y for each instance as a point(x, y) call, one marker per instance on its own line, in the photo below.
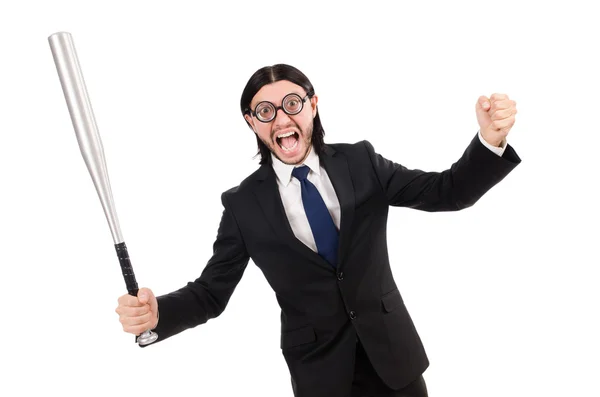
point(456, 188)
point(208, 295)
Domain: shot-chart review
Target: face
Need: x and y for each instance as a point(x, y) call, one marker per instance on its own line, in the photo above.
point(288, 137)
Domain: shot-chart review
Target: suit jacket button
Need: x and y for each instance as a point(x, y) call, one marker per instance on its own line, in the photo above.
point(352, 315)
point(340, 276)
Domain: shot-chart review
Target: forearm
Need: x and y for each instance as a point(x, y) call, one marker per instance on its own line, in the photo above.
point(456, 188)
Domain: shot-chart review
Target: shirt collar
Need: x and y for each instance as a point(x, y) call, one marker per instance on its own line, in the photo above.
point(284, 171)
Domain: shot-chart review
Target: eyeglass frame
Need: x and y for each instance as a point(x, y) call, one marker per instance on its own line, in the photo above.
point(302, 100)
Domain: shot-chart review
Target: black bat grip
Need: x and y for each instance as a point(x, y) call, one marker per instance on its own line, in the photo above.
point(127, 269)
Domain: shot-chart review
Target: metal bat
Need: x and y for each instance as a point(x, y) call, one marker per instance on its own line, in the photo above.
point(84, 123)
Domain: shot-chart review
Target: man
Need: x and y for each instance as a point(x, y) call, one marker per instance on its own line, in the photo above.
point(313, 219)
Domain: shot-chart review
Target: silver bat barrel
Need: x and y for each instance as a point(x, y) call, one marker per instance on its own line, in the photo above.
point(90, 144)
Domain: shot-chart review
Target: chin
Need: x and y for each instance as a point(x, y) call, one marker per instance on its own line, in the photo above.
point(293, 157)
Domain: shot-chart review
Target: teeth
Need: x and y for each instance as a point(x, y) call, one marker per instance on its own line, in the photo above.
point(286, 134)
point(288, 149)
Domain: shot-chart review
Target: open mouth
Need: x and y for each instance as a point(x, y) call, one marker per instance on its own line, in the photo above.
point(288, 141)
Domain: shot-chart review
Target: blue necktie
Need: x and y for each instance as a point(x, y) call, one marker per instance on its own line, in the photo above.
point(321, 223)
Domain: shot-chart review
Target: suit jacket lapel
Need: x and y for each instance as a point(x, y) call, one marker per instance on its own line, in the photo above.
point(269, 198)
point(267, 193)
point(336, 165)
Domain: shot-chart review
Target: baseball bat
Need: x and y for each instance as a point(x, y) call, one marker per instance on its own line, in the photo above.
point(86, 130)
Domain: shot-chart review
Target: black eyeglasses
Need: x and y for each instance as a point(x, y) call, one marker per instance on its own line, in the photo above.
point(291, 104)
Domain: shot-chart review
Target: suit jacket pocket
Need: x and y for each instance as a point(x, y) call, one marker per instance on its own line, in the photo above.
point(298, 337)
point(392, 300)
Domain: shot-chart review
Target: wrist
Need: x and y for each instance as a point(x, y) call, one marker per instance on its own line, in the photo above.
point(495, 141)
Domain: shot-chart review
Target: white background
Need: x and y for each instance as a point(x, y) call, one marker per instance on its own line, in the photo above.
point(504, 294)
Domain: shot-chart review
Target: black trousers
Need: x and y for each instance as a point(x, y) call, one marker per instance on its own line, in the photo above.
point(368, 384)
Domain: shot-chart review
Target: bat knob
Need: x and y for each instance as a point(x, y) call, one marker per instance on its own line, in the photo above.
point(147, 337)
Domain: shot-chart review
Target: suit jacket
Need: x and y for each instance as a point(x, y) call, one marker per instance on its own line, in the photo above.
point(324, 309)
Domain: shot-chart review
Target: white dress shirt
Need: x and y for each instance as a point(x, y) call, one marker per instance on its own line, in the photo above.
point(291, 193)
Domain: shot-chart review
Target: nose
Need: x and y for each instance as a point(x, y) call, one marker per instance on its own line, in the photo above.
point(281, 118)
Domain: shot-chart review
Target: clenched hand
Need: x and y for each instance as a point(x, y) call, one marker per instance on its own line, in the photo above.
point(496, 116)
point(138, 314)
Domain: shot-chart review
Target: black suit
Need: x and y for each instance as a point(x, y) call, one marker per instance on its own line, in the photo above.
point(324, 310)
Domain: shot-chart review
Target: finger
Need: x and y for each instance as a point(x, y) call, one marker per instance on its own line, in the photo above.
point(126, 320)
point(498, 97)
point(501, 105)
point(144, 294)
point(503, 124)
point(136, 329)
point(502, 114)
point(484, 103)
point(129, 300)
point(131, 311)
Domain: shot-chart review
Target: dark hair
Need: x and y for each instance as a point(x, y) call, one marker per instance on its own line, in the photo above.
point(271, 74)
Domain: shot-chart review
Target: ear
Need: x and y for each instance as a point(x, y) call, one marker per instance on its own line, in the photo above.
point(313, 105)
point(250, 121)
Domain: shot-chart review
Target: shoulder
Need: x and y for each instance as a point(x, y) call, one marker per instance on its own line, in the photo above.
point(245, 186)
point(360, 148)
